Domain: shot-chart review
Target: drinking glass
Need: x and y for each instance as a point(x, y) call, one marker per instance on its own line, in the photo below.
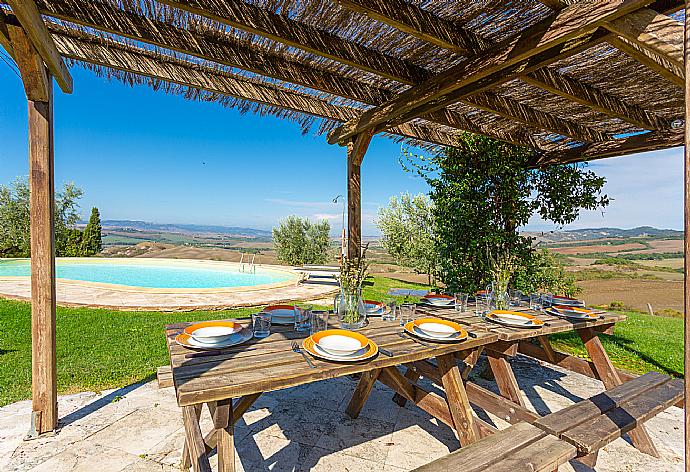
point(303, 317)
point(390, 312)
point(535, 301)
point(461, 301)
point(546, 300)
point(319, 320)
point(515, 297)
point(481, 305)
point(407, 311)
point(261, 324)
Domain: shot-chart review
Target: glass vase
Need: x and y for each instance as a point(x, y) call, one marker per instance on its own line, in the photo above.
point(350, 308)
point(499, 293)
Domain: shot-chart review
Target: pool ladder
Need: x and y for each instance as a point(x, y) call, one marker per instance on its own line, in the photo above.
point(250, 263)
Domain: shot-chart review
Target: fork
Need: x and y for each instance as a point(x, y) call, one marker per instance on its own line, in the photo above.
point(296, 348)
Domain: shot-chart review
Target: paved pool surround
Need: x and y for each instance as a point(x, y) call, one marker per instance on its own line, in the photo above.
point(134, 298)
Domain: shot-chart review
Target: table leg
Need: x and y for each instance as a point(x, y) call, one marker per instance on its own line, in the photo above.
point(195, 448)
point(361, 393)
point(505, 378)
point(470, 361)
point(610, 378)
point(186, 461)
point(412, 375)
point(224, 425)
point(456, 396)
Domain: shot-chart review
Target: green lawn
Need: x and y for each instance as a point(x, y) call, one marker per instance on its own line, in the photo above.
point(99, 349)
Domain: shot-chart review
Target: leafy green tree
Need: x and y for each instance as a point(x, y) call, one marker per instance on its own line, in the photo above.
point(299, 241)
point(14, 218)
point(92, 242)
point(407, 228)
point(483, 191)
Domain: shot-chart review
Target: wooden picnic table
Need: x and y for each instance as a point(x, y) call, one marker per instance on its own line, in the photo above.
point(244, 372)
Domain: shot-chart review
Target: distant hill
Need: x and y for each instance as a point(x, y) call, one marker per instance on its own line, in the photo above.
point(603, 233)
point(185, 228)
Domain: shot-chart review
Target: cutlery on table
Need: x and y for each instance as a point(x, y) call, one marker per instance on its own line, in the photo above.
point(386, 352)
point(296, 348)
point(418, 341)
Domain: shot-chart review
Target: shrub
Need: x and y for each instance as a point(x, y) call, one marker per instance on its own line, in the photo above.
point(298, 241)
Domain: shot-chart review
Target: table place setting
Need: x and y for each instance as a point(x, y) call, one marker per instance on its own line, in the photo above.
point(213, 335)
point(514, 319)
point(340, 345)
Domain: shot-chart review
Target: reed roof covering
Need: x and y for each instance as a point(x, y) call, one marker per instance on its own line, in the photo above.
point(423, 71)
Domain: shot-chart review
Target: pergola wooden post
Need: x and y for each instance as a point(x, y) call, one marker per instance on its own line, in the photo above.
point(356, 148)
point(27, 39)
point(686, 236)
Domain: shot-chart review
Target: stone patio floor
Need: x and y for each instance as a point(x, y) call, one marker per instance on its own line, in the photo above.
point(139, 428)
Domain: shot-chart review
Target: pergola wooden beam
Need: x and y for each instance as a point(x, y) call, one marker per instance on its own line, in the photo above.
point(280, 28)
point(30, 19)
point(571, 89)
point(528, 115)
point(35, 76)
point(652, 31)
point(5, 35)
point(656, 62)
point(651, 141)
point(490, 67)
point(356, 149)
point(419, 23)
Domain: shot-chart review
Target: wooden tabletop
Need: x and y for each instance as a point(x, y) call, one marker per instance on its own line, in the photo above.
point(554, 324)
point(262, 365)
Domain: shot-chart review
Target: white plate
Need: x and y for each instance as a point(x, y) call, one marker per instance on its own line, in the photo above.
point(439, 301)
point(565, 301)
point(322, 352)
point(282, 319)
point(237, 338)
point(512, 322)
point(437, 330)
point(426, 302)
point(421, 334)
point(339, 345)
point(570, 315)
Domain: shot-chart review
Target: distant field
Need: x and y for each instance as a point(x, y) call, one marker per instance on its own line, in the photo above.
point(598, 248)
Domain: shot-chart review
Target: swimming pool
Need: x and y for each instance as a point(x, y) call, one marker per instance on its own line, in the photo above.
point(155, 273)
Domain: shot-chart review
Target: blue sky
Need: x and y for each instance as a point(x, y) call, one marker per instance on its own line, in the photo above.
point(145, 155)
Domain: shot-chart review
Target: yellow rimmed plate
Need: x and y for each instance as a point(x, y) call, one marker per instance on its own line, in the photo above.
point(572, 312)
point(231, 326)
point(281, 314)
point(184, 339)
point(411, 328)
point(514, 319)
point(370, 349)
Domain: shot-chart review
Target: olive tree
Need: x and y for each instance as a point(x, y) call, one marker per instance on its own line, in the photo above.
point(299, 241)
point(483, 191)
point(406, 226)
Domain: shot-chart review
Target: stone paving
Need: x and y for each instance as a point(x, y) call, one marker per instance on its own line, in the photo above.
point(75, 294)
point(139, 428)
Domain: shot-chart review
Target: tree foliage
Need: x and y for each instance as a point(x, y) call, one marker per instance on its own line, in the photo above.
point(14, 220)
point(299, 241)
point(483, 191)
point(407, 228)
point(92, 242)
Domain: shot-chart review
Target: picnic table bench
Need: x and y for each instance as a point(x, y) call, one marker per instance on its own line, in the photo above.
point(521, 447)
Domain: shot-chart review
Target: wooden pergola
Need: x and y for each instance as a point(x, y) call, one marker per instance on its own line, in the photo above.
point(573, 80)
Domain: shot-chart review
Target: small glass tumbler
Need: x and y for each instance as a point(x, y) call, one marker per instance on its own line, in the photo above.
point(481, 305)
point(303, 318)
point(261, 324)
point(461, 301)
point(407, 312)
point(319, 320)
point(546, 300)
point(515, 297)
point(535, 301)
point(390, 310)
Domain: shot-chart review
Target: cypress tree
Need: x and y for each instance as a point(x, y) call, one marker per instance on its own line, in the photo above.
point(91, 239)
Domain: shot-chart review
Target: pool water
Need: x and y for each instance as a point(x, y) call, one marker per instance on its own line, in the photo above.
point(171, 274)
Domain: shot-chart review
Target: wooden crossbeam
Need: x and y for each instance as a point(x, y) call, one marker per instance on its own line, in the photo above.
point(541, 42)
point(280, 28)
point(5, 35)
point(30, 19)
point(653, 31)
point(35, 76)
point(658, 63)
point(528, 115)
point(616, 147)
point(564, 86)
point(419, 23)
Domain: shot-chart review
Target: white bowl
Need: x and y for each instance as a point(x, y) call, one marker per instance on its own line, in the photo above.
point(438, 301)
point(213, 334)
point(437, 330)
point(339, 345)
